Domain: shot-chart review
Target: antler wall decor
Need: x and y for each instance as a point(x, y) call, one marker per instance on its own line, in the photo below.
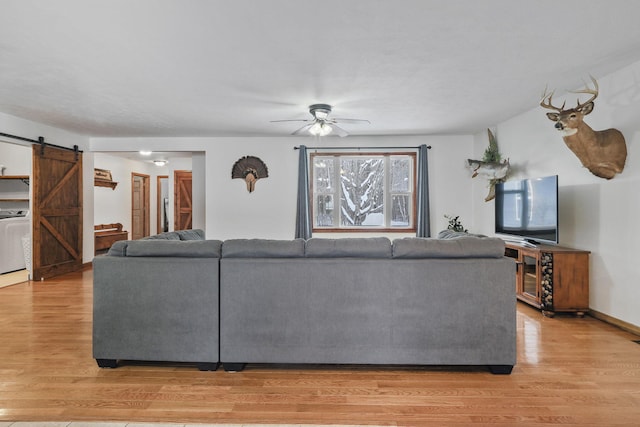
point(251, 169)
point(603, 152)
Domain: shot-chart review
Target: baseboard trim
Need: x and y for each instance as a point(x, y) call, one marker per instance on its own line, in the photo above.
point(615, 322)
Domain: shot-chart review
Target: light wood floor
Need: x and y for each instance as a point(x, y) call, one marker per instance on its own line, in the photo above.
point(570, 371)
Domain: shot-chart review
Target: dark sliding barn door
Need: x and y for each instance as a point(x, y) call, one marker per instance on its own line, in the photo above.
point(57, 211)
point(182, 200)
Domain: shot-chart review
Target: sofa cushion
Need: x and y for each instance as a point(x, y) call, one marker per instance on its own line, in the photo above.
point(118, 248)
point(262, 248)
point(170, 248)
point(195, 234)
point(461, 247)
point(169, 235)
point(352, 247)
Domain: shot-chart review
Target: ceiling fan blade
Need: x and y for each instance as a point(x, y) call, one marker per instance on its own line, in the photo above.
point(302, 129)
point(339, 131)
point(292, 120)
point(351, 121)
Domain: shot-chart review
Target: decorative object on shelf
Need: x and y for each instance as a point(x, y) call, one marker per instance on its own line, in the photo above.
point(251, 169)
point(603, 152)
point(546, 282)
point(455, 224)
point(102, 174)
point(102, 178)
point(491, 167)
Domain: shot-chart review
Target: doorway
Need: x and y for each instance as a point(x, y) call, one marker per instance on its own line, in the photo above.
point(140, 201)
point(162, 186)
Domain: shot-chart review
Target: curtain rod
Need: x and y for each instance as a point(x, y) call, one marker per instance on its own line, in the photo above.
point(40, 141)
point(362, 148)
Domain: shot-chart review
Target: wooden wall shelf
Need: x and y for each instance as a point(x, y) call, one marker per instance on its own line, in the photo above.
point(23, 178)
point(105, 183)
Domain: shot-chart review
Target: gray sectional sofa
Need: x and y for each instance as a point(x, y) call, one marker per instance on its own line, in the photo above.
point(157, 300)
point(412, 301)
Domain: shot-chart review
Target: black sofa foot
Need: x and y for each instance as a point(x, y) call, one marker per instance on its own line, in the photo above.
point(501, 369)
point(207, 366)
point(233, 367)
point(107, 363)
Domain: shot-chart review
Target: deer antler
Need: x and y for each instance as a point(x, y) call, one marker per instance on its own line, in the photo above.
point(593, 92)
point(547, 97)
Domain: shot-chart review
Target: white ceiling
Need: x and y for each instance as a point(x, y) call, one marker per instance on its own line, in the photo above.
point(117, 68)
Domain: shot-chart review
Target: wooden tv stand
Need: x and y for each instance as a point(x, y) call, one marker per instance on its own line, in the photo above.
point(551, 278)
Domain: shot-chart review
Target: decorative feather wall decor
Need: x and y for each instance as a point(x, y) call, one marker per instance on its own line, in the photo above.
point(251, 169)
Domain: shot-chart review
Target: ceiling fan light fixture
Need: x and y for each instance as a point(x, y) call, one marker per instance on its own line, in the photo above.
point(320, 128)
point(316, 128)
point(325, 129)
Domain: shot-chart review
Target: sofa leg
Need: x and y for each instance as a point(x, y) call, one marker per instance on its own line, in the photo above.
point(107, 363)
point(501, 369)
point(207, 366)
point(233, 367)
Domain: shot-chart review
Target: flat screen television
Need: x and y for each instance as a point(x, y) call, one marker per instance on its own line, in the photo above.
point(526, 210)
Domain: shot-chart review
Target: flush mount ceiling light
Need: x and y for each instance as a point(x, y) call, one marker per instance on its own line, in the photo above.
point(160, 162)
point(321, 124)
point(145, 152)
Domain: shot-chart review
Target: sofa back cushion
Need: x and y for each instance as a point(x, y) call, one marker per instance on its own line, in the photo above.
point(263, 248)
point(169, 235)
point(166, 248)
point(354, 247)
point(195, 234)
point(460, 247)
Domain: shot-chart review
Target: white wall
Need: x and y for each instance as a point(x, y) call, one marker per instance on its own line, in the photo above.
point(269, 212)
point(595, 214)
point(15, 158)
point(199, 190)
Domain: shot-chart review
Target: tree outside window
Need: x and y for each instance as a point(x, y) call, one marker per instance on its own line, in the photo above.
point(363, 192)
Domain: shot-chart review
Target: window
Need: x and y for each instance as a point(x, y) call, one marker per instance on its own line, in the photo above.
point(363, 191)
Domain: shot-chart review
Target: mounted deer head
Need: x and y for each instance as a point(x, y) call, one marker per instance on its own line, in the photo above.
point(602, 152)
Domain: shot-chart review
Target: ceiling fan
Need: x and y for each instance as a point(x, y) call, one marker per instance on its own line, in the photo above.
point(321, 124)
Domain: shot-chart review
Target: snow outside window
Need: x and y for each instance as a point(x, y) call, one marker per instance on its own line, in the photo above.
point(363, 192)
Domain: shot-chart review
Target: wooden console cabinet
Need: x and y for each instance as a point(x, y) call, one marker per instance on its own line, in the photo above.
point(552, 278)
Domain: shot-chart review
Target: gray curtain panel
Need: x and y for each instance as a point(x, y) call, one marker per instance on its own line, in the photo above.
point(423, 227)
point(303, 210)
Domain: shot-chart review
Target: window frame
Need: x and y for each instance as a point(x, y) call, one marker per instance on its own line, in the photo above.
point(387, 155)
